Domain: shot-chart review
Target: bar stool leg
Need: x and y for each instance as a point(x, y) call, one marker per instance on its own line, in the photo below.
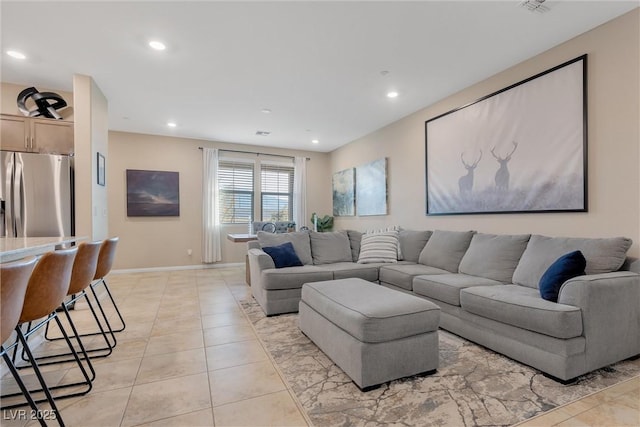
point(23, 388)
point(124, 325)
point(43, 384)
point(88, 380)
point(108, 349)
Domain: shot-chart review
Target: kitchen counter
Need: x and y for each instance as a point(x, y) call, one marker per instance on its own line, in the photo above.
point(14, 248)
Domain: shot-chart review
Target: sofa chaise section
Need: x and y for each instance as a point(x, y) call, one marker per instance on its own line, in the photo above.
point(595, 322)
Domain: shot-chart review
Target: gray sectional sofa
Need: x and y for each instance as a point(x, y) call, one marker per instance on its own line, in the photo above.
point(487, 289)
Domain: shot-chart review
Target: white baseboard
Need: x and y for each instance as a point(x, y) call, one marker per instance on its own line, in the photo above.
point(178, 267)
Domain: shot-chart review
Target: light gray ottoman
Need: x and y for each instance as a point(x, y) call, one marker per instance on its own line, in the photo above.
point(374, 334)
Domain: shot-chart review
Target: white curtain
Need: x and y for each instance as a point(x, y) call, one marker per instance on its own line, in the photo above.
point(300, 191)
point(210, 217)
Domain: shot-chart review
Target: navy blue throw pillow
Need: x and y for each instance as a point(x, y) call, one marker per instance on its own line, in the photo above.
point(563, 269)
point(283, 255)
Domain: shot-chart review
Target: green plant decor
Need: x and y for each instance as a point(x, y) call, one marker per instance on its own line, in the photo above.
point(324, 223)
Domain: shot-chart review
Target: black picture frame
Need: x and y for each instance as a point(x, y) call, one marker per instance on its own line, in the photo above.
point(522, 149)
point(101, 170)
point(153, 193)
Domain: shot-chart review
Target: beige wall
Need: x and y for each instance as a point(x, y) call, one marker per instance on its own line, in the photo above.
point(613, 147)
point(90, 137)
point(9, 95)
point(164, 241)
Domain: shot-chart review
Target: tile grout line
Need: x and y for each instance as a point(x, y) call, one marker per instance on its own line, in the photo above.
point(124, 412)
point(289, 389)
point(206, 359)
point(126, 407)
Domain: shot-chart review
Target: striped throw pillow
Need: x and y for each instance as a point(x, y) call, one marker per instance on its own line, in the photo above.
point(390, 228)
point(379, 247)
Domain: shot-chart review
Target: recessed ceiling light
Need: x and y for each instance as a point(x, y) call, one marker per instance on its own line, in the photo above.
point(17, 55)
point(172, 124)
point(315, 141)
point(154, 44)
point(266, 110)
point(392, 94)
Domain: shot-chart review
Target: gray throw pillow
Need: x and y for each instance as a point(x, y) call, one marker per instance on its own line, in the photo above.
point(445, 249)
point(327, 248)
point(494, 256)
point(412, 243)
point(299, 239)
point(602, 255)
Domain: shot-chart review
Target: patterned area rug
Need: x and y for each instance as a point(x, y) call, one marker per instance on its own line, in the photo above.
point(473, 386)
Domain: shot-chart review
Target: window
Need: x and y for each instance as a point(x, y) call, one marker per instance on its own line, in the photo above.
point(235, 184)
point(276, 192)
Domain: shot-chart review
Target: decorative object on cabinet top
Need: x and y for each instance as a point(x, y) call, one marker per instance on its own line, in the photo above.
point(47, 104)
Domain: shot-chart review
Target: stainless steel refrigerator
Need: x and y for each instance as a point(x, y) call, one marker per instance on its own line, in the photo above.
point(36, 196)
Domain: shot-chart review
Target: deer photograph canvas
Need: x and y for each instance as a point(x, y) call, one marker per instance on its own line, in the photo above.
point(522, 149)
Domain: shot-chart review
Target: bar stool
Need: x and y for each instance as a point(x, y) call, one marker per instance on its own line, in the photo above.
point(14, 278)
point(105, 262)
point(48, 285)
point(84, 268)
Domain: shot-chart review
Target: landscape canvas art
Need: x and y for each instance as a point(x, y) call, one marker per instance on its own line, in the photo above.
point(521, 149)
point(371, 188)
point(153, 193)
point(344, 193)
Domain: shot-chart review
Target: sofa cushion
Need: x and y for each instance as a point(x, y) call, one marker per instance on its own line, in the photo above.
point(330, 247)
point(524, 308)
point(411, 243)
point(354, 240)
point(564, 268)
point(293, 277)
point(379, 247)
point(602, 255)
point(447, 287)
point(344, 270)
point(494, 256)
point(283, 255)
point(369, 312)
point(300, 240)
point(445, 249)
point(401, 275)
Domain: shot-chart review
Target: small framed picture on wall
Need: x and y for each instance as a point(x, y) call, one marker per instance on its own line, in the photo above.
point(101, 170)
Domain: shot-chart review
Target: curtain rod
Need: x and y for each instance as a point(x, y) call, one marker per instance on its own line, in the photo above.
point(257, 153)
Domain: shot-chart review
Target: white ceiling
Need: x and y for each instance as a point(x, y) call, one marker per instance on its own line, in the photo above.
point(316, 65)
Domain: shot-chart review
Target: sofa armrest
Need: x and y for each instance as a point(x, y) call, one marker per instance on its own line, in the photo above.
point(610, 305)
point(259, 260)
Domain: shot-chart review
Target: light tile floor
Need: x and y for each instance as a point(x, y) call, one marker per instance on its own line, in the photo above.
point(189, 357)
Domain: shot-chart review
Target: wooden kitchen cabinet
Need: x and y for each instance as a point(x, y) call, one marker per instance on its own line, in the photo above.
point(36, 135)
